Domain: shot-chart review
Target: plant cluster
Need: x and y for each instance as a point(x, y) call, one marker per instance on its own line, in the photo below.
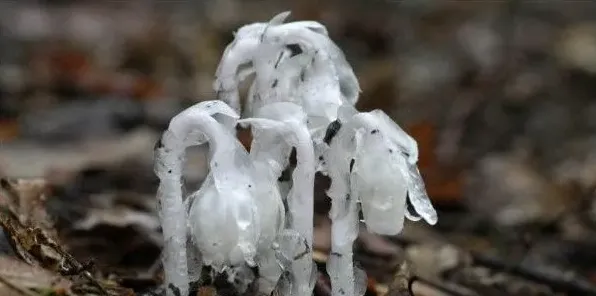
point(302, 97)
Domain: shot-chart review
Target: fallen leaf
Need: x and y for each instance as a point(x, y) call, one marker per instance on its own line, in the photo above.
point(27, 199)
point(30, 277)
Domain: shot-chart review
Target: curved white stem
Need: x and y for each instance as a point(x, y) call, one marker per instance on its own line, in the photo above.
point(169, 158)
point(311, 40)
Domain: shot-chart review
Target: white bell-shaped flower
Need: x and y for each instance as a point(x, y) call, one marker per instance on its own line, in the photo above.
point(379, 140)
point(382, 170)
point(287, 122)
point(225, 218)
point(169, 156)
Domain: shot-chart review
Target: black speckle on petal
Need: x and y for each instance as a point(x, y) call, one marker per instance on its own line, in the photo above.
point(331, 132)
point(278, 59)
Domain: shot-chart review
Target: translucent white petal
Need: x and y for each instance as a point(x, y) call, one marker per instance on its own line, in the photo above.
point(310, 39)
point(279, 18)
point(209, 214)
point(377, 180)
point(311, 25)
point(407, 146)
point(397, 135)
point(418, 196)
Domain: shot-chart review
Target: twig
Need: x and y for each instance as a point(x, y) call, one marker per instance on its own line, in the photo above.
point(420, 286)
point(560, 282)
point(400, 285)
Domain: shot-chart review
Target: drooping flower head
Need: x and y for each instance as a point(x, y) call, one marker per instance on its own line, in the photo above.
point(295, 62)
point(382, 169)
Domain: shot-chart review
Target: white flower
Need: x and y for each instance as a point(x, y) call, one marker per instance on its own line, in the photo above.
point(295, 62)
point(236, 212)
point(182, 132)
point(382, 170)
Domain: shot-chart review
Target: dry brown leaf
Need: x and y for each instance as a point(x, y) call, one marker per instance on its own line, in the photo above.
point(26, 198)
point(29, 277)
point(30, 240)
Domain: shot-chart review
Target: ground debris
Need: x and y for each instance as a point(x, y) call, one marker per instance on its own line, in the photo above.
point(35, 242)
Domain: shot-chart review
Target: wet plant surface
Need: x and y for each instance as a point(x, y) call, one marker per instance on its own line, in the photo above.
point(499, 96)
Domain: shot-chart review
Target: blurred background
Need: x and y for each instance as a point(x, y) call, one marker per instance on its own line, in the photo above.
point(500, 95)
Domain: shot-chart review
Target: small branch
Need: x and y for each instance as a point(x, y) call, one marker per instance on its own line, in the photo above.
point(405, 283)
point(560, 282)
point(420, 286)
point(402, 279)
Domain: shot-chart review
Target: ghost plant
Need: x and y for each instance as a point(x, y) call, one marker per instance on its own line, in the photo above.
point(234, 213)
point(302, 97)
point(286, 122)
point(372, 164)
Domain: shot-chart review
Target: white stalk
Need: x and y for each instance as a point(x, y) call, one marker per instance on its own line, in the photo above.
point(301, 206)
point(344, 231)
point(168, 166)
point(343, 215)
